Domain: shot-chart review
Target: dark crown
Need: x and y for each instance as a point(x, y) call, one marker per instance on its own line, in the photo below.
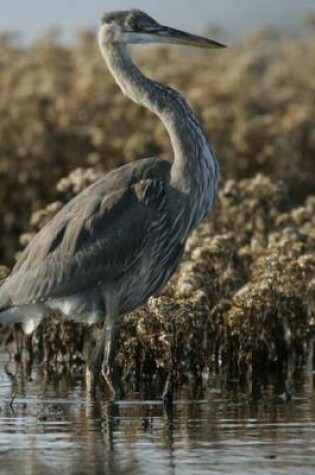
point(129, 18)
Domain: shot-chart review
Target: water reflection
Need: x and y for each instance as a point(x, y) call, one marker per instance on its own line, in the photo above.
point(55, 425)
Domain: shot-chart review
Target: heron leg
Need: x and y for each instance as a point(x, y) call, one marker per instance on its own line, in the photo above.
point(94, 366)
point(109, 371)
point(167, 395)
point(103, 358)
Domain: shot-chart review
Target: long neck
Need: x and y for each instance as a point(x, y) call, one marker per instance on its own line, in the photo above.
point(192, 153)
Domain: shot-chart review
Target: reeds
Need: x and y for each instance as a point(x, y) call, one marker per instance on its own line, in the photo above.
point(244, 297)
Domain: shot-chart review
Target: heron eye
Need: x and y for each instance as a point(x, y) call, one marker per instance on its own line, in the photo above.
point(135, 25)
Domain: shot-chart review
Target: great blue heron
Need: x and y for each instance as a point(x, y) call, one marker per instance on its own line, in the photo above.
point(118, 242)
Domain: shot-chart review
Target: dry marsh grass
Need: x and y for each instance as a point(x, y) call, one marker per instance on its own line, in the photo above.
point(244, 297)
point(61, 109)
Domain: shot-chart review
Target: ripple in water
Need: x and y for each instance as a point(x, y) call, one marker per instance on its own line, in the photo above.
point(55, 425)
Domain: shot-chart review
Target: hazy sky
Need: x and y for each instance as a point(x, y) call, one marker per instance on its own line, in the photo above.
point(31, 17)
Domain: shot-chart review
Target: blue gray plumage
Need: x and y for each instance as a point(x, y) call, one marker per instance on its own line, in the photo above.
point(119, 241)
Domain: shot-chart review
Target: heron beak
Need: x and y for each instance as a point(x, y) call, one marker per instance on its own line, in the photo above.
point(169, 35)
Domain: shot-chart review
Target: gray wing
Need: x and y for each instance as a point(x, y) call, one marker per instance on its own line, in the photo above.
point(95, 238)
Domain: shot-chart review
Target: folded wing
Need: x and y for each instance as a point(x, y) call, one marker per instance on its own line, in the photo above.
point(95, 238)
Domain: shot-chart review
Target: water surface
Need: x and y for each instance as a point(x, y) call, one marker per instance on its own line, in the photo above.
point(54, 425)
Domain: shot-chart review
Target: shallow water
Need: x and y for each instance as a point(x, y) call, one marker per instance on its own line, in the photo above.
point(55, 426)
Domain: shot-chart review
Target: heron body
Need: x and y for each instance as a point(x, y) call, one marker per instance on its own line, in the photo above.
point(119, 241)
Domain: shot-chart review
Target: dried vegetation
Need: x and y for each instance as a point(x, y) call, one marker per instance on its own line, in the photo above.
point(244, 297)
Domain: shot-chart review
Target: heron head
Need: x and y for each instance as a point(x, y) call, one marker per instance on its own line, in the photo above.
point(136, 27)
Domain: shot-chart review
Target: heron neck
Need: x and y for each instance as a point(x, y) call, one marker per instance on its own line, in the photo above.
point(189, 142)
